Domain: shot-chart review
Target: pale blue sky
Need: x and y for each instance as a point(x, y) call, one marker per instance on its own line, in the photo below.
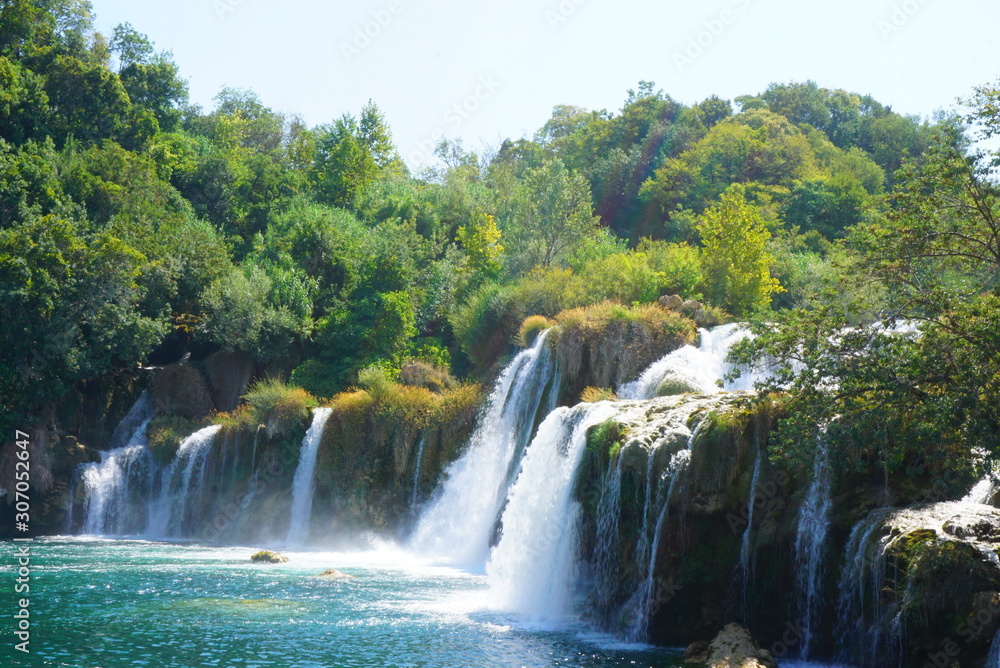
point(507, 63)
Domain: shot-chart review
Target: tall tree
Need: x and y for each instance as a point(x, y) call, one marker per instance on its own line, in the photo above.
point(736, 264)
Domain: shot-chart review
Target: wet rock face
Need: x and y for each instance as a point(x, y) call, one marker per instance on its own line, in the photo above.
point(268, 557)
point(926, 585)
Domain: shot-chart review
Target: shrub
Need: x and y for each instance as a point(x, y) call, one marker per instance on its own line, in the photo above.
point(275, 402)
point(376, 379)
point(593, 394)
point(422, 374)
point(532, 326)
point(678, 266)
point(165, 433)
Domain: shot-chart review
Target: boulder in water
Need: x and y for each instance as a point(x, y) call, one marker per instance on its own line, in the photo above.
point(268, 557)
point(705, 319)
point(734, 648)
point(676, 384)
point(334, 574)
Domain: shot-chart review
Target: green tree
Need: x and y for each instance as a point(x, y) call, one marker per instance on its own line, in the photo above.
point(480, 239)
point(351, 155)
point(736, 264)
point(552, 217)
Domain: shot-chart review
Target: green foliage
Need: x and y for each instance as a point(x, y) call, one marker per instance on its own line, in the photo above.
point(257, 309)
point(273, 400)
point(922, 403)
point(351, 155)
point(532, 326)
point(480, 239)
point(735, 262)
point(553, 218)
point(74, 310)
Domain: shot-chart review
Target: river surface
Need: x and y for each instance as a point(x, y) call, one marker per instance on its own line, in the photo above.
point(106, 603)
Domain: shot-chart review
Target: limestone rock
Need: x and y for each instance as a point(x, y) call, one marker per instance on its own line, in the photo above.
point(268, 557)
point(692, 305)
point(705, 319)
point(671, 302)
point(180, 390)
point(676, 384)
point(697, 652)
point(334, 574)
point(734, 648)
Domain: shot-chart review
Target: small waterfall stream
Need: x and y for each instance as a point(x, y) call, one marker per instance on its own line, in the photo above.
point(459, 520)
point(416, 473)
point(304, 482)
point(746, 570)
point(810, 544)
point(644, 598)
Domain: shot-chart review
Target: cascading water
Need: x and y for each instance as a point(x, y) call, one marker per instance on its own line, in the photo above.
point(689, 369)
point(746, 570)
point(810, 545)
point(644, 597)
point(870, 629)
point(459, 520)
point(859, 603)
point(116, 484)
point(606, 564)
point(532, 567)
point(416, 473)
point(177, 499)
point(304, 482)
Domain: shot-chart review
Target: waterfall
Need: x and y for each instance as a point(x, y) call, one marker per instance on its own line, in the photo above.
point(416, 473)
point(810, 544)
point(745, 551)
point(644, 598)
point(870, 603)
point(859, 602)
point(606, 546)
point(177, 499)
point(984, 490)
point(113, 485)
point(532, 567)
point(691, 369)
point(135, 420)
point(304, 482)
point(459, 520)
point(109, 485)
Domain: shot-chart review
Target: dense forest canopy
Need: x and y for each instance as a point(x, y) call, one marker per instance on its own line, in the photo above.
point(135, 228)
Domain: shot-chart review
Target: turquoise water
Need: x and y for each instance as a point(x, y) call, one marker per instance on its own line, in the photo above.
point(112, 603)
point(99, 603)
